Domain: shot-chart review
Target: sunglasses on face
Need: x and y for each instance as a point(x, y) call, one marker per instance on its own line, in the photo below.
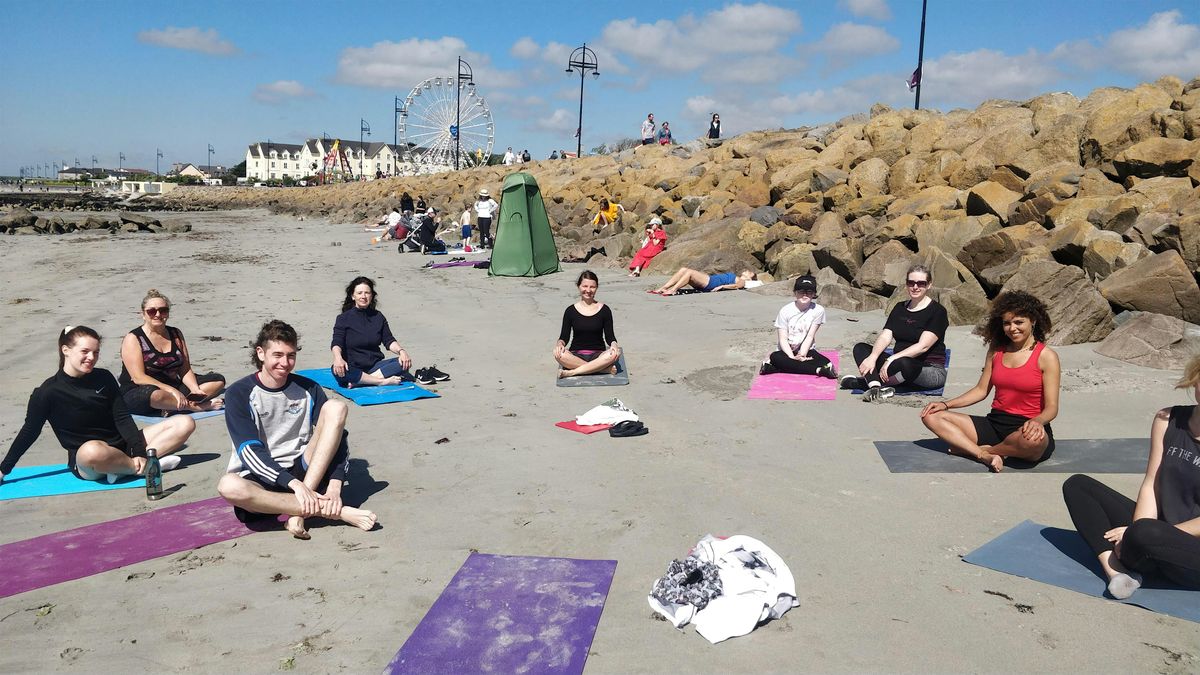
point(916, 284)
point(157, 311)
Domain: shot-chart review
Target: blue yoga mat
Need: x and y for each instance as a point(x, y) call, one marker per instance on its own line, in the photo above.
point(909, 391)
point(388, 393)
point(55, 479)
point(146, 419)
point(1062, 558)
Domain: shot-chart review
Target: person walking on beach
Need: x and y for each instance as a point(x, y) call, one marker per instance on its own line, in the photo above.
point(648, 129)
point(290, 454)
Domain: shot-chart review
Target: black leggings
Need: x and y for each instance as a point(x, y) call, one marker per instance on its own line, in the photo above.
point(485, 231)
point(903, 370)
point(1150, 546)
point(786, 364)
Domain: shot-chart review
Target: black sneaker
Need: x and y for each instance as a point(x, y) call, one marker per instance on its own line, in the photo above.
point(407, 377)
point(767, 369)
point(432, 371)
point(423, 377)
point(853, 382)
point(828, 371)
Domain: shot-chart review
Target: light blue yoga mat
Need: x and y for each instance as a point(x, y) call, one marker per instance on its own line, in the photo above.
point(388, 393)
point(146, 419)
point(1062, 558)
point(55, 479)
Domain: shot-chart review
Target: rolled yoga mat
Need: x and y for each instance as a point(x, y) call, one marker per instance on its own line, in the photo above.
point(510, 614)
point(63, 556)
point(1072, 455)
point(789, 387)
point(621, 377)
point(1062, 558)
point(388, 393)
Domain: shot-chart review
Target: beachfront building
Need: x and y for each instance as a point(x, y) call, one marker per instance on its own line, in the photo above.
point(203, 172)
point(276, 161)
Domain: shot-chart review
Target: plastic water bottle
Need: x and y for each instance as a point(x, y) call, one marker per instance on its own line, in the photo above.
point(154, 489)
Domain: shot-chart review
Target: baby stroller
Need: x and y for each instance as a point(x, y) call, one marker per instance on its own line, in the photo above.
point(422, 238)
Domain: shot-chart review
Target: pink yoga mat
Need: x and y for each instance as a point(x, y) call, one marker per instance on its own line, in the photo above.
point(54, 558)
point(571, 425)
point(788, 387)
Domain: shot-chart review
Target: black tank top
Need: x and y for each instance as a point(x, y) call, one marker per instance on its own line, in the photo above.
point(165, 366)
point(1179, 472)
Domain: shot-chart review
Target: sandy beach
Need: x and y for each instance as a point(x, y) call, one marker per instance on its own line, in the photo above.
point(876, 555)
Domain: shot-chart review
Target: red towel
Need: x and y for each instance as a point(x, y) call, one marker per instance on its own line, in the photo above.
point(571, 425)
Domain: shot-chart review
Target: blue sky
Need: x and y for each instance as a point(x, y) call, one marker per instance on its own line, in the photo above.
point(87, 78)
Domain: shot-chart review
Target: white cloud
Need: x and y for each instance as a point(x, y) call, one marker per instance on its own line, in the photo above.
point(189, 39)
point(525, 48)
point(691, 43)
point(872, 9)
point(403, 64)
point(847, 42)
point(1161, 46)
point(740, 114)
point(973, 77)
point(561, 121)
point(280, 91)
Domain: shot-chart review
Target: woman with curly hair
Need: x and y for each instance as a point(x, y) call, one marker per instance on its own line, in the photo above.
point(1024, 372)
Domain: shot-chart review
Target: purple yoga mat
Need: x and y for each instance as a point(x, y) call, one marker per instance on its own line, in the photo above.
point(74, 554)
point(456, 263)
point(510, 614)
point(788, 387)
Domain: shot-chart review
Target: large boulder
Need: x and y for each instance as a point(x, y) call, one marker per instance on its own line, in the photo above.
point(850, 299)
point(994, 248)
point(794, 260)
point(869, 179)
point(931, 200)
point(1152, 341)
point(19, 217)
point(1160, 283)
point(1164, 193)
point(899, 229)
point(1068, 242)
point(951, 234)
point(1078, 312)
point(1059, 180)
point(712, 247)
point(843, 256)
point(1035, 210)
point(884, 270)
point(1121, 213)
point(1114, 123)
point(827, 227)
point(1105, 255)
point(1157, 157)
point(990, 197)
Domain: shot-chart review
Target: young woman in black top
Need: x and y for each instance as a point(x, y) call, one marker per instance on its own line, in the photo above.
point(1159, 534)
point(85, 409)
point(918, 325)
point(586, 343)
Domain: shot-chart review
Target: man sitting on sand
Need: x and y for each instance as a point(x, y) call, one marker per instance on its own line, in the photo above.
point(289, 442)
point(704, 282)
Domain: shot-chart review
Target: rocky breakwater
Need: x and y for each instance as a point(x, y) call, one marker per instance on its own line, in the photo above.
point(23, 221)
point(1092, 204)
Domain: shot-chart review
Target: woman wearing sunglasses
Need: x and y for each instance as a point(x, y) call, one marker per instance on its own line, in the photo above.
point(156, 372)
point(918, 326)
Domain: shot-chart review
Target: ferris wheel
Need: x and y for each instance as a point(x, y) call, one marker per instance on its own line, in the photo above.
point(428, 123)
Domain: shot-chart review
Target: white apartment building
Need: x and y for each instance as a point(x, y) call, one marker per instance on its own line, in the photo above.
point(276, 161)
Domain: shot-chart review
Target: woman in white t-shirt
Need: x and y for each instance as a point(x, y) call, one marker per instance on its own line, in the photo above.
point(797, 324)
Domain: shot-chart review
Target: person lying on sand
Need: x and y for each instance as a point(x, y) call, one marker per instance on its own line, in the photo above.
point(704, 282)
point(289, 442)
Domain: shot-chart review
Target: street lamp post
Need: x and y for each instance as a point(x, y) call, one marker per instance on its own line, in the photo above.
point(464, 70)
point(396, 137)
point(210, 154)
point(583, 59)
point(157, 156)
point(121, 162)
point(93, 164)
point(363, 128)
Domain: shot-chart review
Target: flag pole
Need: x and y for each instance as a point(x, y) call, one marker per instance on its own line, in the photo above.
point(920, 58)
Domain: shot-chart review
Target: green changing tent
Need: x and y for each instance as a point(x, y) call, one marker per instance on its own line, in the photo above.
point(524, 244)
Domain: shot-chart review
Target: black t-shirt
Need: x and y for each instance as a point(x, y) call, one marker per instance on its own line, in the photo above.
point(907, 327)
point(1179, 471)
point(593, 333)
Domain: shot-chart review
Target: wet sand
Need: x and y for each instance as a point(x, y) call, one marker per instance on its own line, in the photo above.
point(875, 554)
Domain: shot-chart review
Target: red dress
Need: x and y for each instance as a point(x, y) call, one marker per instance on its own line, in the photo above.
point(654, 245)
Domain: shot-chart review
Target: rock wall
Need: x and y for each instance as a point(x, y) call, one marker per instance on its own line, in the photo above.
point(1092, 204)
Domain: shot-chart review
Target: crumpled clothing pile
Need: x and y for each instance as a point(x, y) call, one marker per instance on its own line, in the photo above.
point(688, 582)
point(611, 411)
point(755, 585)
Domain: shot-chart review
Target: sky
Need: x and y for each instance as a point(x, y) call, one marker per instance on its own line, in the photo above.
point(84, 79)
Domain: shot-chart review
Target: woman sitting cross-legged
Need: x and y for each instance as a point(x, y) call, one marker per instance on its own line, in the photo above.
point(586, 344)
point(1159, 534)
point(1024, 372)
point(797, 324)
point(357, 334)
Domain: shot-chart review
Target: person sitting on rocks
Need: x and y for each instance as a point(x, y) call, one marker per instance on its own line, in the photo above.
point(918, 325)
point(609, 213)
point(290, 454)
point(85, 409)
point(704, 282)
point(586, 344)
point(796, 326)
point(406, 203)
point(1159, 534)
point(1025, 374)
point(156, 371)
point(653, 244)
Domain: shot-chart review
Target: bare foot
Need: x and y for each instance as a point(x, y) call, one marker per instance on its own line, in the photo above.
point(563, 372)
point(612, 370)
point(994, 462)
point(214, 404)
point(295, 525)
point(360, 518)
point(393, 380)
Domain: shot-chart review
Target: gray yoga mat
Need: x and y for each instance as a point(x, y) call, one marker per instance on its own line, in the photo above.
point(606, 380)
point(1072, 455)
point(1062, 558)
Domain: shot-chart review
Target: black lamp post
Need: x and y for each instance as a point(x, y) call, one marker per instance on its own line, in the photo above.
point(363, 128)
point(93, 164)
point(396, 137)
point(210, 154)
point(582, 59)
point(121, 163)
point(916, 77)
point(464, 70)
point(157, 156)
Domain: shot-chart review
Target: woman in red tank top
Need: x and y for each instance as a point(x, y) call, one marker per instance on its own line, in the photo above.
point(1025, 374)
